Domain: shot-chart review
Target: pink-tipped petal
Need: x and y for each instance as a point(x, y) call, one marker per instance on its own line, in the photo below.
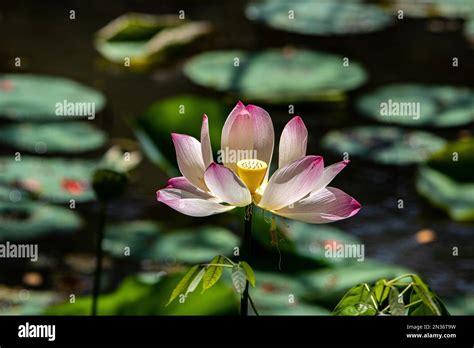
point(181, 183)
point(225, 185)
point(237, 135)
point(327, 205)
point(189, 158)
point(247, 133)
point(206, 148)
point(293, 142)
point(189, 204)
point(292, 182)
point(329, 174)
point(263, 133)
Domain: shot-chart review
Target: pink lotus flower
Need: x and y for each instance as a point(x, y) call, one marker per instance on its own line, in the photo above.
point(296, 190)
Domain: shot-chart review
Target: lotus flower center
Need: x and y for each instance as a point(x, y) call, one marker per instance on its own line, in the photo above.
point(252, 172)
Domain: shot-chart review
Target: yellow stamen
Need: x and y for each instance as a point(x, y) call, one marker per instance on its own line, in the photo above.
point(252, 172)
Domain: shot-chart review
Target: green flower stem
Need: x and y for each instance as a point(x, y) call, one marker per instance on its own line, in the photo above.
point(99, 254)
point(245, 253)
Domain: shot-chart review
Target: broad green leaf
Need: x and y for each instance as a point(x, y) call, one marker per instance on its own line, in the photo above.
point(239, 279)
point(319, 17)
point(213, 273)
point(183, 283)
point(276, 75)
point(195, 282)
point(384, 144)
point(357, 301)
point(27, 220)
point(57, 137)
point(419, 105)
point(429, 305)
point(249, 274)
point(39, 97)
point(397, 306)
point(55, 179)
point(145, 38)
point(380, 291)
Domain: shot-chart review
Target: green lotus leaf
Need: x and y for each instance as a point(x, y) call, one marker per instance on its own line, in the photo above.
point(419, 105)
point(54, 179)
point(195, 245)
point(144, 38)
point(135, 239)
point(432, 8)
point(384, 144)
point(276, 75)
point(327, 286)
point(28, 220)
point(319, 17)
point(25, 302)
point(178, 114)
point(58, 137)
point(42, 97)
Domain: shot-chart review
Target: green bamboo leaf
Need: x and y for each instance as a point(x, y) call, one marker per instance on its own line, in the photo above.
point(249, 273)
point(430, 303)
point(239, 279)
point(397, 306)
point(357, 301)
point(213, 273)
point(195, 282)
point(179, 289)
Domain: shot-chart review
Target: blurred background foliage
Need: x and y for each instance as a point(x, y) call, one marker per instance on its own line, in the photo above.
point(333, 64)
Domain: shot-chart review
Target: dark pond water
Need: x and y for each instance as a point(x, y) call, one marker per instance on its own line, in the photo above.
point(50, 43)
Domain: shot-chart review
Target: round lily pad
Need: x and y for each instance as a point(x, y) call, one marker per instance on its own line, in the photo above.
point(143, 38)
point(447, 182)
point(28, 220)
point(135, 239)
point(55, 179)
point(276, 75)
point(329, 285)
point(419, 105)
point(319, 17)
point(318, 242)
point(58, 137)
point(195, 245)
point(384, 144)
point(41, 97)
point(178, 114)
point(433, 8)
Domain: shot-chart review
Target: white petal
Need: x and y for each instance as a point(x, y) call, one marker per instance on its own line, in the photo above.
point(293, 142)
point(189, 158)
point(225, 185)
point(329, 174)
point(206, 148)
point(190, 204)
point(292, 182)
point(327, 205)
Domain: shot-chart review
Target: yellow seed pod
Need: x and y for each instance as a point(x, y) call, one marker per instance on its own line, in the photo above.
point(252, 172)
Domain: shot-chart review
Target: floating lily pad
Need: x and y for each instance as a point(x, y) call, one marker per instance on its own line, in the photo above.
point(178, 114)
point(384, 144)
point(317, 242)
point(469, 31)
point(329, 285)
point(419, 105)
point(143, 38)
point(138, 236)
point(55, 179)
point(27, 220)
point(433, 8)
point(275, 75)
point(63, 137)
point(319, 17)
point(41, 97)
point(447, 182)
point(195, 245)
